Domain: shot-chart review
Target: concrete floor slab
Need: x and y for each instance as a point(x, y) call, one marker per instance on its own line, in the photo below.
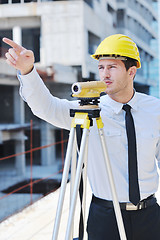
point(36, 222)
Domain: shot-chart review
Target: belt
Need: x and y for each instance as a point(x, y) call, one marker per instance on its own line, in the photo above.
point(147, 202)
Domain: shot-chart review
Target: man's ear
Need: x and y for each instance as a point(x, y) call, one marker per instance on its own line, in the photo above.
point(132, 71)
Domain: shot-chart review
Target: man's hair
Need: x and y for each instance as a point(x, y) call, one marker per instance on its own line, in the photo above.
point(129, 63)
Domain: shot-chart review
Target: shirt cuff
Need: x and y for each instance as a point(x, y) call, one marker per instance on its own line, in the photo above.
point(28, 80)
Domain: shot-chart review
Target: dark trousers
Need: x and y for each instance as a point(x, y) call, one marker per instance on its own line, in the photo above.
point(141, 224)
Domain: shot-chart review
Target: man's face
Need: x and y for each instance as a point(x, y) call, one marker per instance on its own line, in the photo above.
point(113, 73)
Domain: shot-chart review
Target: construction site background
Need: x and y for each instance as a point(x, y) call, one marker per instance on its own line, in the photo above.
point(63, 35)
point(19, 191)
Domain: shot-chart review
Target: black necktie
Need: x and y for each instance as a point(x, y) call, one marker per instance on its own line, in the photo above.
point(134, 195)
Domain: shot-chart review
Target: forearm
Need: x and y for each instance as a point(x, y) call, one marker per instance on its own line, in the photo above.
point(42, 103)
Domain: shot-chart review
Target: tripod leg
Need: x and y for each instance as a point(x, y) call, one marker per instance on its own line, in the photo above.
point(63, 184)
point(73, 168)
point(83, 186)
point(76, 185)
point(111, 181)
point(73, 174)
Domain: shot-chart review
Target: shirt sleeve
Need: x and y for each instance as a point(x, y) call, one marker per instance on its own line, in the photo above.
point(42, 103)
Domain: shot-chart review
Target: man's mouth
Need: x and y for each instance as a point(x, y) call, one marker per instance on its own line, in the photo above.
point(108, 82)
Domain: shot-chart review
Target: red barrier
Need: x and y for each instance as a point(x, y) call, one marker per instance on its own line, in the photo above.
point(31, 150)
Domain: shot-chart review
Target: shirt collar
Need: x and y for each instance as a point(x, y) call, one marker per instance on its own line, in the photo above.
point(117, 106)
point(133, 102)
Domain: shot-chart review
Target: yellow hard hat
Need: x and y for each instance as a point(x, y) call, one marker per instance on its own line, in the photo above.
point(116, 46)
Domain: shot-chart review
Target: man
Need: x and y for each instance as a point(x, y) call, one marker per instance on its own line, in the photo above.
point(133, 146)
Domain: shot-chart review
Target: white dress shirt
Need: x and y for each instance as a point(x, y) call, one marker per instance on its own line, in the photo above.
point(146, 115)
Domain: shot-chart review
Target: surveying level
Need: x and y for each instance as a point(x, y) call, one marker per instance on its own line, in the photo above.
point(90, 89)
point(89, 94)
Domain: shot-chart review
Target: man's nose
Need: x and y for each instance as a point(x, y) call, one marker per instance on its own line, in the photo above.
point(106, 73)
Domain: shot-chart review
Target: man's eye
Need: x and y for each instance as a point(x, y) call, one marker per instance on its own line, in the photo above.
point(100, 67)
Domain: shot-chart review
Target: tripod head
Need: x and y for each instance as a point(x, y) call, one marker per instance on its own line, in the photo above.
point(88, 92)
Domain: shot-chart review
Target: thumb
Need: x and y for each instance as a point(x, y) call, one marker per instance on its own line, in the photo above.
point(26, 52)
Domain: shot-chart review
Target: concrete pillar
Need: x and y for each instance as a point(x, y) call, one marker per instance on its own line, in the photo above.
point(17, 34)
point(20, 162)
point(48, 155)
point(19, 113)
point(85, 73)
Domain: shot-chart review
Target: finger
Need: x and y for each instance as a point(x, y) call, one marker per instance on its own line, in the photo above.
point(10, 63)
point(12, 52)
point(10, 58)
point(27, 53)
point(13, 44)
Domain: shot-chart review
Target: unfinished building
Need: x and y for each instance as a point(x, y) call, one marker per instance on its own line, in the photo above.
point(62, 35)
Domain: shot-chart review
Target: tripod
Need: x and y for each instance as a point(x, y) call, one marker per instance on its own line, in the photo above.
point(83, 117)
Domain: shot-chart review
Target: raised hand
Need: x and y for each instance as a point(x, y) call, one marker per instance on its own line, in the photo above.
point(19, 57)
